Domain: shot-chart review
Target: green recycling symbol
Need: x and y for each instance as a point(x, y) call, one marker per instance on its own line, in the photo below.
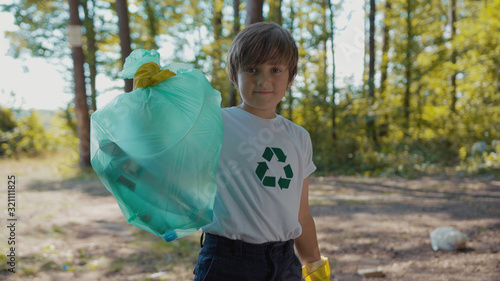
point(262, 168)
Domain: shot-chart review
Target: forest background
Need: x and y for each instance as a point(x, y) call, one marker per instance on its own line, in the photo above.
point(429, 102)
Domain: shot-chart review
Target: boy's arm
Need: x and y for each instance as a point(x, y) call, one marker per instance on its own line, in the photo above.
point(307, 243)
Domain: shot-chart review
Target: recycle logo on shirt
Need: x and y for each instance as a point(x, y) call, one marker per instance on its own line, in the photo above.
point(262, 168)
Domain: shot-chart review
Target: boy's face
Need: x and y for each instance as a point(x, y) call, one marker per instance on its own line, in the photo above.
point(262, 87)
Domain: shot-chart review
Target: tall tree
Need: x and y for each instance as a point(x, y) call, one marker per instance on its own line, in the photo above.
point(254, 11)
point(217, 48)
point(370, 124)
point(384, 65)
point(152, 21)
point(275, 11)
point(124, 31)
point(82, 112)
point(322, 43)
point(385, 50)
point(233, 95)
point(290, 93)
point(408, 64)
point(452, 18)
point(42, 32)
point(91, 54)
point(276, 17)
point(333, 105)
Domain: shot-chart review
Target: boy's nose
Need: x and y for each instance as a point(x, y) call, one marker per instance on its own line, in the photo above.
point(263, 79)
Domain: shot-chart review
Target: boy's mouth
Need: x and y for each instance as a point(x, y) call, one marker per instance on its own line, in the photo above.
point(263, 92)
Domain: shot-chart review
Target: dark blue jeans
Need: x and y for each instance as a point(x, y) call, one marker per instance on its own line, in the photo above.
point(224, 259)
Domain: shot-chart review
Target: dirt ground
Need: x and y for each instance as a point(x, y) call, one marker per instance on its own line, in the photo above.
point(72, 229)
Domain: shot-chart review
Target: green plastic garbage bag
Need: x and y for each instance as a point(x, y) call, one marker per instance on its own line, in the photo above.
point(156, 149)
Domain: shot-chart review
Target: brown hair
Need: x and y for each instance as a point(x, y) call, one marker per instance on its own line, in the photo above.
point(260, 43)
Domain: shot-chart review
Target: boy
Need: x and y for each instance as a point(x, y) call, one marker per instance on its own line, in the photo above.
point(261, 208)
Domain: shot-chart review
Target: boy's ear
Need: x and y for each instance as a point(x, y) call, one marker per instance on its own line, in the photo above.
point(235, 82)
point(291, 82)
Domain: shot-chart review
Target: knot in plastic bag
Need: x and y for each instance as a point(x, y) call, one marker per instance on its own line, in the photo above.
point(150, 74)
point(136, 59)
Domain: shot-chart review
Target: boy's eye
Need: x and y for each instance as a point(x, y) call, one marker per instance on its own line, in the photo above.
point(276, 70)
point(250, 70)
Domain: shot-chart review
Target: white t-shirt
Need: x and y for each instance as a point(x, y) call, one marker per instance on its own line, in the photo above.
point(262, 165)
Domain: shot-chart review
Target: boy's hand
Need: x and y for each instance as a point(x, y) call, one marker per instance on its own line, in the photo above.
point(317, 271)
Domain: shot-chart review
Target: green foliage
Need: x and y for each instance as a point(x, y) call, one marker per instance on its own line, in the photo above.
point(62, 134)
point(28, 136)
point(436, 136)
point(30, 15)
point(8, 130)
point(33, 137)
point(7, 122)
point(480, 158)
point(438, 131)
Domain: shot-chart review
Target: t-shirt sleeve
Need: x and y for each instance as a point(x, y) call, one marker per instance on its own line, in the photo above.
point(309, 166)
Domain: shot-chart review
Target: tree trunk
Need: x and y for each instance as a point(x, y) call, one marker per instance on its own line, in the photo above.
point(254, 11)
point(383, 127)
point(452, 18)
point(125, 42)
point(366, 50)
point(323, 63)
point(233, 95)
point(152, 24)
point(81, 108)
point(370, 124)
point(276, 17)
point(408, 66)
point(290, 93)
point(334, 89)
point(216, 80)
point(91, 50)
point(275, 11)
point(385, 50)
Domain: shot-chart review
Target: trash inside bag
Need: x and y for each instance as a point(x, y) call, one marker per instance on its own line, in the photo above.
point(447, 239)
point(156, 149)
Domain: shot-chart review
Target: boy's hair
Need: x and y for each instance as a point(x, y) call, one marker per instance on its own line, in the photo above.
point(260, 43)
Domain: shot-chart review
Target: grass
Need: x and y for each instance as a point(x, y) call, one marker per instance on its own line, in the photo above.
point(58, 230)
point(50, 259)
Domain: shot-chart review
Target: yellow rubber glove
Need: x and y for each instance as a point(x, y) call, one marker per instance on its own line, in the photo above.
point(317, 271)
point(150, 74)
